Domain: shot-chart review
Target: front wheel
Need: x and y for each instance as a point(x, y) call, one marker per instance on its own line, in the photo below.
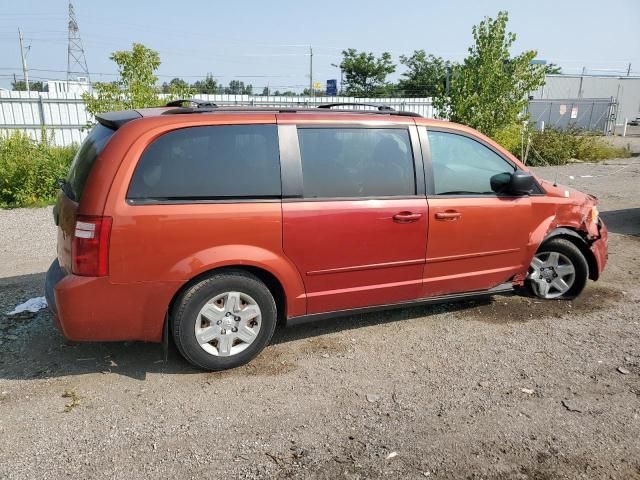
point(223, 321)
point(558, 271)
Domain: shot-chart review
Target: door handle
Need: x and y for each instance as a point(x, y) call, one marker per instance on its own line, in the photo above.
point(448, 215)
point(406, 217)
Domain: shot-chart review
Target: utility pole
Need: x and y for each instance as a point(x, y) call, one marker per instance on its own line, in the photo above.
point(310, 71)
point(581, 80)
point(629, 69)
point(340, 92)
point(25, 70)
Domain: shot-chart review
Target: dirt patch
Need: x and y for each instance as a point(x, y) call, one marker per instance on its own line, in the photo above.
point(323, 346)
point(283, 358)
point(519, 308)
point(275, 360)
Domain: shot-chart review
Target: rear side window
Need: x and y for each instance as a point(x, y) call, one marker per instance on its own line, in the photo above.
point(212, 162)
point(85, 158)
point(356, 162)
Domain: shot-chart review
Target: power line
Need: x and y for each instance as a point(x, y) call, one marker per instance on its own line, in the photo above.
point(157, 75)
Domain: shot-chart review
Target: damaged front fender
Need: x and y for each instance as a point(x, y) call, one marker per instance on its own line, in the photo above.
point(568, 213)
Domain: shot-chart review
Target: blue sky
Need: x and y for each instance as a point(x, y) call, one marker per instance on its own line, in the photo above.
point(266, 42)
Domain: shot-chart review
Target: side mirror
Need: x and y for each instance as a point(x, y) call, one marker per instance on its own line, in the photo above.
point(522, 183)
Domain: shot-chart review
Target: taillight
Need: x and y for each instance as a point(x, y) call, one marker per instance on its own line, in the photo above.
point(90, 251)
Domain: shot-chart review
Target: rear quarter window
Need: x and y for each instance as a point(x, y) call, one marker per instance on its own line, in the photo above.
point(86, 157)
point(211, 162)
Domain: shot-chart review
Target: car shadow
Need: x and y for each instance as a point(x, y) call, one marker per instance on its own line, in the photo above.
point(625, 221)
point(32, 348)
point(351, 322)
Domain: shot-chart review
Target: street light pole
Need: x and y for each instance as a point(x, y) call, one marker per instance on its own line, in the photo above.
point(341, 77)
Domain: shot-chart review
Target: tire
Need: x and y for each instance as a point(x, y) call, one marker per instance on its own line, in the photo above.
point(569, 256)
point(211, 308)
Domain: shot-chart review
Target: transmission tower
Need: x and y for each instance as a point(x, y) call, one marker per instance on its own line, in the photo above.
point(76, 61)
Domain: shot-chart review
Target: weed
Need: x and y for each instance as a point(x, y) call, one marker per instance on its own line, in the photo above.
point(74, 400)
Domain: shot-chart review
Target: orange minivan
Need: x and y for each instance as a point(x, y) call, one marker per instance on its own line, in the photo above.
point(209, 224)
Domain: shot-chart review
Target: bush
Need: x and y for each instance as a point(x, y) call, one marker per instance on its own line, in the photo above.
point(510, 137)
point(592, 148)
point(557, 147)
point(29, 170)
point(554, 147)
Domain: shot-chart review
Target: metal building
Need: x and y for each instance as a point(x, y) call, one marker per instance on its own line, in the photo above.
point(625, 91)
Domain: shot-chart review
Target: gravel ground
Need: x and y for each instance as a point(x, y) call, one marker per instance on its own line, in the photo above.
point(506, 388)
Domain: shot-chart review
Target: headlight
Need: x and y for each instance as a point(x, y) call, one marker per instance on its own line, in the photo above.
point(594, 214)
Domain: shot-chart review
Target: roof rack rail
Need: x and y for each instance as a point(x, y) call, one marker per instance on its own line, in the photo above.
point(378, 106)
point(197, 102)
point(205, 107)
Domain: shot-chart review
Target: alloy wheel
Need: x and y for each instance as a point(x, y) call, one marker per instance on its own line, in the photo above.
point(551, 274)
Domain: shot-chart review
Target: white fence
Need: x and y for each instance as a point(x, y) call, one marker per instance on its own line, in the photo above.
point(64, 116)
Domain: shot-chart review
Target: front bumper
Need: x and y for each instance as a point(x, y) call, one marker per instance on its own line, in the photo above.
point(600, 248)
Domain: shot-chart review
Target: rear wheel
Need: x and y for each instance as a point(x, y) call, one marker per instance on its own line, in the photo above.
point(223, 321)
point(558, 270)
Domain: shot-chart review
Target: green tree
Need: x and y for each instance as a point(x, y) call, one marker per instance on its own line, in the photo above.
point(175, 84)
point(424, 76)
point(366, 74)
point(490, 89)
point(179, 88)
point(237, 87)
point(552, 69)
point(287, 93)
point(313, 93)
point(135, 87)
point(207, 86)
point(21, 85)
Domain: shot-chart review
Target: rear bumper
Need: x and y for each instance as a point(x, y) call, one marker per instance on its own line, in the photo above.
point(600, 248)
point(94, 309)
point(54, 275)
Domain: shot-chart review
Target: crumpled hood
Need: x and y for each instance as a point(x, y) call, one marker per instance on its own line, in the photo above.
point(563, 191)
point(578, 210)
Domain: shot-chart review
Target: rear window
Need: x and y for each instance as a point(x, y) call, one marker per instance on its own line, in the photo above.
point(212, 162)
point(85, 158)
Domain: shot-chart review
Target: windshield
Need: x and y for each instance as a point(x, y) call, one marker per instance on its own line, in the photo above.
point(85, 158)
